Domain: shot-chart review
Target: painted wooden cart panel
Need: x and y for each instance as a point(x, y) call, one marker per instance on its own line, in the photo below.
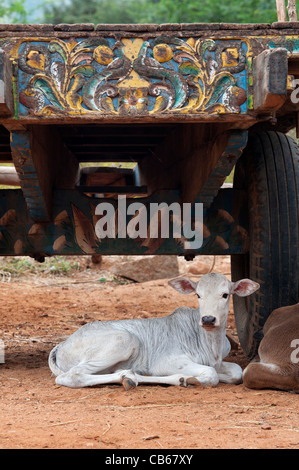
point(160, 73)
point(131, 76)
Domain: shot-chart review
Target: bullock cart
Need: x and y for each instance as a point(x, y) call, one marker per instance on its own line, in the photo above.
point(151, 114)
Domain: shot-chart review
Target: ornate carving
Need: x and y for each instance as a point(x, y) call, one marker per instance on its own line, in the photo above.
point(132, 76)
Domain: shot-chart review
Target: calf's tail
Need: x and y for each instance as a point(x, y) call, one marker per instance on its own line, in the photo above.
point(52, 362)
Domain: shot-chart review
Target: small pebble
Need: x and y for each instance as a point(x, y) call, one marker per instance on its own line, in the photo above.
point(265, 427)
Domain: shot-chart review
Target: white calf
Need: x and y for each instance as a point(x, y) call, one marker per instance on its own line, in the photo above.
point(277, 364)
point(185, 347)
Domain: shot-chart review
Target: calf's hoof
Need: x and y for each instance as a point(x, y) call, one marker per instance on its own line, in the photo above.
point(128, 383)
point(184, 382)
point(193, 382)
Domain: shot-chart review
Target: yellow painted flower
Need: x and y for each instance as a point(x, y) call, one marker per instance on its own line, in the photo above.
point(162, 53)
point(36, 60)
point(133, 100)
point(230, 57)
point(103, 55)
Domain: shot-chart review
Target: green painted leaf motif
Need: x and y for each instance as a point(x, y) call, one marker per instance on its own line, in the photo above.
point(56, 47)
point(86, 70)
point(209, 45)
point(220, 85)
point(42, 85)
point(189, 68)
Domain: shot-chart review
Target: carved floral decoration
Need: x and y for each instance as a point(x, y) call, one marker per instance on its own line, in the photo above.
point(132, 76)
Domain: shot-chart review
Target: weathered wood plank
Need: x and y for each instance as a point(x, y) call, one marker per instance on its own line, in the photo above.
point(113, 188)
point(119, 156)
point(184, 159)
point(39, 203)
point(113, 141)
point(131, 77)
point(5, 157)
point(103, 176)
point(42, 163)
point(55, 160)
point(6, 105)
point(3, 106)
point(89, 27)
point(270, 69)
point(187, 72)
point(74, 27)
point(236, 143)
point(9, 176)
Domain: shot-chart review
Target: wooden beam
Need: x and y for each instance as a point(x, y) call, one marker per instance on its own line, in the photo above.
point(225, 164)
point(114, 141)
point(117, 130)
point(6, 85)
point(9, 176)
point(128, 189)
point(3, 107)
point(42, 163)
point(49, 149)
point(202, 159)
point(185, 159)
point(36, 196)
point(110, 157)
point(270, 72)
point(106, 149)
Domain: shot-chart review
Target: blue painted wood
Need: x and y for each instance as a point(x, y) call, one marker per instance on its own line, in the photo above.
point(93, 76)
point(21, 151)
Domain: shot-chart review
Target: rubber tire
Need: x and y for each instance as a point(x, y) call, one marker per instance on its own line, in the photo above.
point(269, 171)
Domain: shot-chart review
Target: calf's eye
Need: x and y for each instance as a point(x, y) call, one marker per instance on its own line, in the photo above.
point(225, 296)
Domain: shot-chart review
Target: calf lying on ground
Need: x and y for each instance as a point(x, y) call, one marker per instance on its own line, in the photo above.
point(277, 365)
point(185, 347)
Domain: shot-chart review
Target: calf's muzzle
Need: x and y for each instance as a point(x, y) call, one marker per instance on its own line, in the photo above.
point(208, 320)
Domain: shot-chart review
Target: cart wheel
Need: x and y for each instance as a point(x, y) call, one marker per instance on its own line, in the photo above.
point(269, 171)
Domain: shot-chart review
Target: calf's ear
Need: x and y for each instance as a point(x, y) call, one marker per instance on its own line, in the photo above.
point(244, 287)
point(183, 285)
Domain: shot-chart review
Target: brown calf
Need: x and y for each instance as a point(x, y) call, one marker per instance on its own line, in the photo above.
point(277, 365)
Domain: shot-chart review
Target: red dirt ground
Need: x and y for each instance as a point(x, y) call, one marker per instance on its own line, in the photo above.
point(38, 312)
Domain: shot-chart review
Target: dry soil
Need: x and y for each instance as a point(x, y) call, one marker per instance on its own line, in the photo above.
point(37, 312)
